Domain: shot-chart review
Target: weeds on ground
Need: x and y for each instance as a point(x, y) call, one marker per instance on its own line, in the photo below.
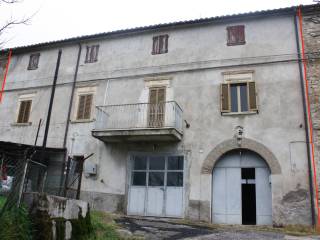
point(15, 224)
point(104, 228)
point(2, 201)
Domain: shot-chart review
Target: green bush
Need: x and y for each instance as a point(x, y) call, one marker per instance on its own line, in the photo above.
point(15, 224)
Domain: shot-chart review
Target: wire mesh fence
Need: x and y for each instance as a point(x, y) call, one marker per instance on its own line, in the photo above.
point(73, 177)
point(12, 173)
point(27, 170)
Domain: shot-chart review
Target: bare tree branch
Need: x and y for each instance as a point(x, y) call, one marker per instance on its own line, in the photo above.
point(12, 21)
point(9, 1)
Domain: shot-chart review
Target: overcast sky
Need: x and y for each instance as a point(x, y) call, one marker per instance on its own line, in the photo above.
point(59, 19)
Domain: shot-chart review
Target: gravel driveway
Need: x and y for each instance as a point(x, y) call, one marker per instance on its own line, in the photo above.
point(161, 229)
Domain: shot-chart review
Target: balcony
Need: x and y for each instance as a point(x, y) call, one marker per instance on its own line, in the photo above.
point(139, 122)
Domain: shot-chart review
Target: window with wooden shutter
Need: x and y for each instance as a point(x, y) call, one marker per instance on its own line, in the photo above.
point(235, 35)
point(92, 54)
point(84, 107)
point(24, 111)
point(238, 97)
point(33, 61)
point(160, 44)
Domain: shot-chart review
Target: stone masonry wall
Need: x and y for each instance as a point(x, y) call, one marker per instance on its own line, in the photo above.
point(311, 31)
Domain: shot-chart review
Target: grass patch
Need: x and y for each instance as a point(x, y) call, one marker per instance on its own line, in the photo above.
point(2, 201)
point(104, 228)
point(299, 230)
point(15, 224)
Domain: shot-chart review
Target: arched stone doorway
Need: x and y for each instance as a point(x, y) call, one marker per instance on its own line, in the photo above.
point(246, 143)
point(241, 189)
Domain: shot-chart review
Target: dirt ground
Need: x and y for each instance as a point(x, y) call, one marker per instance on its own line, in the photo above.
point(154, 229)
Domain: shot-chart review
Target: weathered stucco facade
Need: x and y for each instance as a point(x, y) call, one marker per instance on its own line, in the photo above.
point(192, 71)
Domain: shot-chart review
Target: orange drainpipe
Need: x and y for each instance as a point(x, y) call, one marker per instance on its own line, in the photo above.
point(309, 116)
point(5, 75)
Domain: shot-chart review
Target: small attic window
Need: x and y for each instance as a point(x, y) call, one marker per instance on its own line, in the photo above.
point(33, 61)
point(236, 35)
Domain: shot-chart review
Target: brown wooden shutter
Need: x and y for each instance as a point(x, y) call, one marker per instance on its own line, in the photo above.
point(225, 106)
point(21, 111)
point(81, 104)
point(96, 53)
point(161, 95)
point(252, 96)
point(161, 44)
point(153, 96)
point(166, 43)
point(27, 111)
point(87, 107)
point(155, 45)
point(240, 34)
point(87, 54)
point(24, 111)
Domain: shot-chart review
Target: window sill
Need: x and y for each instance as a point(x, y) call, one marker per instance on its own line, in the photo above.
point(158, 53)
point(236, 43)
point(32, 68)
point(21, 124)
point(239, 113)
point(82, 121)
point(93, 61)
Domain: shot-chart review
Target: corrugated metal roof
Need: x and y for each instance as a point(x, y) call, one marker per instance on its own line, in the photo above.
point(279, 11)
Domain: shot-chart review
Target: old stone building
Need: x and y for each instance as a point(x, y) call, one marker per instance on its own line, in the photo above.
point(200, 119)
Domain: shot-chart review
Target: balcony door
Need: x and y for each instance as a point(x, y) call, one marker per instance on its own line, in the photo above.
point(156, 111)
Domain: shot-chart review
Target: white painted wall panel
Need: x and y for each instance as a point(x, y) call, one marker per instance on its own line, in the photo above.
point(226, 195)
point(263, 197)
point(174, 202)
point(136, 200)
point(155, 201)
point(233, 179)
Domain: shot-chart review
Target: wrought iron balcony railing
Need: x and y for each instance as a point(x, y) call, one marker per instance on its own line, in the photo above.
point(139, 116)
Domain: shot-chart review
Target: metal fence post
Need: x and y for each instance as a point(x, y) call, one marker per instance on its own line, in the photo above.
point(22, 181)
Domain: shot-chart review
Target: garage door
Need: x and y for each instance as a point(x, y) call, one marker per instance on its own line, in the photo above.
point(241, 190)
point(156, 186)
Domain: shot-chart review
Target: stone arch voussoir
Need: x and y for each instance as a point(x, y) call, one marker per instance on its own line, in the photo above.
point(246, 143)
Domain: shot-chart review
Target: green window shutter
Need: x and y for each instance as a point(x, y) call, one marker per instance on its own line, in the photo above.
point(224, 97)
point(252, 96)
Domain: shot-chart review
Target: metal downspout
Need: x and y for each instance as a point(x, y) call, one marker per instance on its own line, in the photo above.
point(305, 120)
point(64, 145)
point(71, 97)
point(53, 89)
